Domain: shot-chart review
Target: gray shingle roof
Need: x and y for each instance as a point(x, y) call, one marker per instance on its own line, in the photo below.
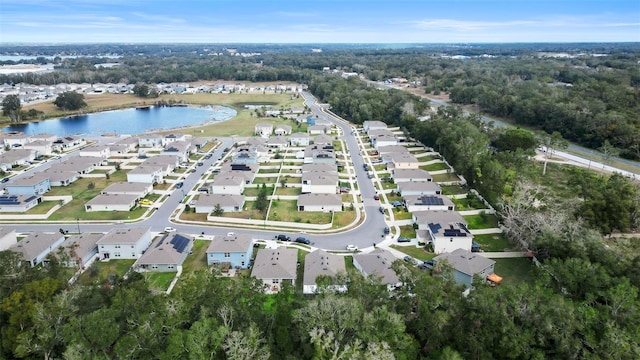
point(378, 263)
point(275, 264)
point(34, 244)
point(466, 261)
point(320, 263)
point(230, 243)
point(129, 235)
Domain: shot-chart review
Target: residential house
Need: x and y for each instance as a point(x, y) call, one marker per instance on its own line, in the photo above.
point(151, 174)
point(180, 149)
point(320, 202)
point(324, 168)
point(41, 147)
point(408, 188)
point(263, 130)
point(323, 142)
point(207, 203)
point(321, 263)
point(8, 238)
point(277, 142)
point(67, 143)
point(317, 129)
point(282, 130)
point(445, 230)
point(79, 249)
point(36, 184)
point(18, 203)
point(166, 254)
point(399, 149)
point(16, 157)
point(299, 139)
point(466, 265)
point(167, 161)
point(119, 149)
point(150, 141)
point(111, 202)
point(319, 183)
point(275, 267)
point(15, 140)
point(81, 164)
point(402, 175)
point(96, 150)
point(174, 137)
point(125, 145)
point(377, 264)
point(400, 161)
point(231, 250)
point(427, 202)
point(138, 189)
point(61, 178)
point(37, 245)
point(223, 184)
point(124, 243)
point(373, 125)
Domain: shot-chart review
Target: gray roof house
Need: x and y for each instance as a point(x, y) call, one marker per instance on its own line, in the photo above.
point(129, 188)
point(299, 139)
point(427, 202)
point(320, 202)
point(401, 175)
point(79, 249)
point(19, 203)
point(36, 184)
point(326, 168)
point(373, 125)
point(282, 129)
point(400, 161)
point(35, 247)
point(446, 230)
point(275, 267)
point(378, 264)
point(206, 203)
point(396, 149)
point(111, 202)
point(419, 188)
point(8, 238)
point(317, 182)
point(124, 243)
point(223, 184)
point(466, 264)
point(61, 178)
point(321, 263)
point(165, 254)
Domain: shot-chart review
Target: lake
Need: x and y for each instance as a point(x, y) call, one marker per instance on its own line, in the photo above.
point(130, 121)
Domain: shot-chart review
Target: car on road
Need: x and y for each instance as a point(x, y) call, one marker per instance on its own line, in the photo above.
point(352, 248)
point(208, 156)
point(403, 239)
point(169, 229)
point(200, 163)
point(4, 180)
point(386, 230)
point(376, 197)
point(283, 237)
point(179, 185)
point(303, 240)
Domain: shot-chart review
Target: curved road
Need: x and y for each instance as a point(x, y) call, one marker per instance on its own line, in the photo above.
point(367, 233)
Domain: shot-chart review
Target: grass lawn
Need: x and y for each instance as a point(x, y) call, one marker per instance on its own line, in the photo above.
point(265, 180)
point(469, 203)
point(197, 260)
point(288, 191)
point(515, 270)
point(343, 218)
point(159, 280)
point(486, 221)
point(445, 177)
point(287, 210)
point(401, 214)
point(191, 216)
point(492, 242)
point(434, 167)
point(95, 103)
point(248, 213)
point(417, 252)
point(99, 272)
point(255, 191)
point(408, 231)
point(41, 208)
point(268, 171)
point(452, 189)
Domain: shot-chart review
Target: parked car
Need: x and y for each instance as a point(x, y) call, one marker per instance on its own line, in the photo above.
point(376, 197)
point(200, 163)
point(283, 237)
point(352, 248)
point(427, 264)
point(208, 156)
point(386, 230)
point(344, 190)
point(145, 202)
point(397, 203)
point(169, 229)
point(303, 240)
point(179, 185)
point(4, 180)
point(409, 259)
point(403, 239)
point(381, 209)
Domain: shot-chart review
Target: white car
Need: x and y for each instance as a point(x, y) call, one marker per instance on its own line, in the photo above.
point(352, 248)
point(169, 229)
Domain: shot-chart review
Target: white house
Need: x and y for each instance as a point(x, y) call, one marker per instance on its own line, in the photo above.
point(407, 188)
point(400, 161)
point(282, 129)
point(79, 249)
point(320, 202)
point(18, 203)
point(41, 147)
point(150, 141)
point(263, 129)
point(445, 230)
point(138, 189)
point(427, 202)
point(319, 183)
point(299, 139)
point(321, 263)
point(111, 202)
point(275, 267)
point(101, 151)
point(402, 175)
point(227, 185)
point(8, 238)
point(373, 125)
point(146, 173)
point(166, 254)
point(206, 203)
point(124, 243)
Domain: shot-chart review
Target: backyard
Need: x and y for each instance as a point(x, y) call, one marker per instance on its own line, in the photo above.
point(100, 271)
point(515, 270)
point(287, 210)
point(159, 281)
point(481, 221)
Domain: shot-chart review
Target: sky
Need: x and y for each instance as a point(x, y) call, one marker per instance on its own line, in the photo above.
point(313, 21)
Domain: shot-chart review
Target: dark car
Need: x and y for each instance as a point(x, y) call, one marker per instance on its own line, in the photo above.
point(4, 180)
point(427, 264)
point(396, 203)
point(409, 259)
point(200, 163)
point(283, 237)
point(386, 230)
point(381, 209)
point(208, 156)
point(179, 185)
point(403, 239)
point(303, 240)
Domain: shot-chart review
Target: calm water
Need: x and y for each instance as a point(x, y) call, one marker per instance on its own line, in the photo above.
point(130, 121)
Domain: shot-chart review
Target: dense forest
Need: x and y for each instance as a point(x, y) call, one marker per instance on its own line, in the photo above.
point(583, 301)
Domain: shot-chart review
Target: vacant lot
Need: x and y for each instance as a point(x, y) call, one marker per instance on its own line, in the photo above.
point(286, 210)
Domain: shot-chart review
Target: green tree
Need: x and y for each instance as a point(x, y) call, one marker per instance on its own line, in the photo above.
point(141, 90)
point(11, 107)
point(262, 203)
point(70, 100)
point(218, 210)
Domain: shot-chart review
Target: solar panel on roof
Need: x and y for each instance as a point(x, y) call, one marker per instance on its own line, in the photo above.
point(180, 243)
point(432, 200)
point(434, 228)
